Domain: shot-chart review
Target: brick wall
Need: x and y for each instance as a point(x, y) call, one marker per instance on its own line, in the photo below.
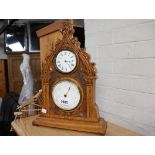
point(124, 52)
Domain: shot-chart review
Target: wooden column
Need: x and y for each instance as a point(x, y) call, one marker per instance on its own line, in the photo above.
point(3, 88)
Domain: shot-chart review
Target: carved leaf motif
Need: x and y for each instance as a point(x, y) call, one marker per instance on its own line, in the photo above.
point(89, 68)
point(67, 29)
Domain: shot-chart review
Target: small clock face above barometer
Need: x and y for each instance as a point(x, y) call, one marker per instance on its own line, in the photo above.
point(66, 61)
point(66, 95)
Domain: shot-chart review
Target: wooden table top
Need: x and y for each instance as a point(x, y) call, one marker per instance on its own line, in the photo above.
point(24, 127)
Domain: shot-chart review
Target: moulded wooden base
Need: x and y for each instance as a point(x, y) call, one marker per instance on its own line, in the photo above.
point(87, 126)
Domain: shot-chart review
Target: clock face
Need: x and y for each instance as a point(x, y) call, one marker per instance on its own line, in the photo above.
point(66, 95)
point(66, 61)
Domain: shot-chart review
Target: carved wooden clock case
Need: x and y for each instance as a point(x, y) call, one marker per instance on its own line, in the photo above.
point(68, 83)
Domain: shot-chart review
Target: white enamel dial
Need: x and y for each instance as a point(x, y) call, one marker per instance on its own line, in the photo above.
point(66, 61)
point(66, 95)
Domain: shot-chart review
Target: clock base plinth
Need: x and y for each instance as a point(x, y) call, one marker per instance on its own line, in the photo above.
point(98, 127)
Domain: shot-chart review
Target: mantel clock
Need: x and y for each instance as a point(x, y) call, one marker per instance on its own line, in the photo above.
point(68, 84)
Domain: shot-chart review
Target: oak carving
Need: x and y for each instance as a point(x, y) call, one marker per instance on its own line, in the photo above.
point(84, 117)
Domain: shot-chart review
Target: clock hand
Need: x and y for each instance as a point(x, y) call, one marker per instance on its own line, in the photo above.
point(67, 61)
point(68, 64)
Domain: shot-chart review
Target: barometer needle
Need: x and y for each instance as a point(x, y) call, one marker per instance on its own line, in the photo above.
point(67, 92)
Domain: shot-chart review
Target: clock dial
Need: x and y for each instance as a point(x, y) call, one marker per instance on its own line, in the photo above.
point(66, 95)
point(66, 61)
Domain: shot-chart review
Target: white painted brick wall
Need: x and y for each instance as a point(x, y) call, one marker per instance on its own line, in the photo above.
point(124, 53)
point(138, 32)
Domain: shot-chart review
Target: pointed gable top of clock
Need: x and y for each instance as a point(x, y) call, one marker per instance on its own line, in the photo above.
point(72, 43)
